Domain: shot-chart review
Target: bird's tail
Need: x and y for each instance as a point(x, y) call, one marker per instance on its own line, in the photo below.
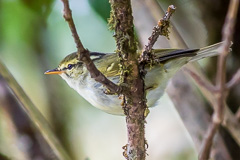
point(208, 51)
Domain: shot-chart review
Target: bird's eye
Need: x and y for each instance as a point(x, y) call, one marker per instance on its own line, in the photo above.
point(70, 66)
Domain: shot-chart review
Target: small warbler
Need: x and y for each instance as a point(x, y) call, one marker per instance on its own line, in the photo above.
point(170, 61)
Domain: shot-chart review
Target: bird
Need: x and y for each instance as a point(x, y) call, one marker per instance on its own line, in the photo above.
point(169, 61)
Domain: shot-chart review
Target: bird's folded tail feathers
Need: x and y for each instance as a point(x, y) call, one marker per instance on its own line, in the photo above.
point(208, 51)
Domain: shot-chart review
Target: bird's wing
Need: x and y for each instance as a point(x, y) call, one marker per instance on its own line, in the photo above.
point(168, 54)
point(108, 65)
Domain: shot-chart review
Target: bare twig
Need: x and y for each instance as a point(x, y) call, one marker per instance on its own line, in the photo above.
point(229, 121)
point(160, 29)
point(67, 14)
point(84, 55)
point(220, 79)
point(238, 114)
point(196, 118)
point(156, 12)
point(235, 80)
point(232, 124)
point(32, 111)
point(207, 143)
point(200, 81)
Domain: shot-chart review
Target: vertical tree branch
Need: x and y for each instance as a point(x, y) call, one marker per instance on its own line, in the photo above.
point(134, 106)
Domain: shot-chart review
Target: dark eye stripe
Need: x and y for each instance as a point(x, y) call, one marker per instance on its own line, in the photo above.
point(70, 66)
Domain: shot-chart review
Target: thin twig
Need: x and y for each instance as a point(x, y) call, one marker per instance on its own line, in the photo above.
point(200, 81)
point(160, 29)
point(67, 14)
point(192, 104)
point(32, 111)
point(84, 55)
point(238, 114)
point(157, 11)
point(234, 81)
point(220, 79)
point(207, 143)
point(229, 121)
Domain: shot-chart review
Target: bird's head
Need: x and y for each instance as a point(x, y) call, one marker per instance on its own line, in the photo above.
point(69, 67)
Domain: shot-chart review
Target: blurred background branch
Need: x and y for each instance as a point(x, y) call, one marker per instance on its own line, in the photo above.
point(221, 94)
point(23, 125)
point(36, 117)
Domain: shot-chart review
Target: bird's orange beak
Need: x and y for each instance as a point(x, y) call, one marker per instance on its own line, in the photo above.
point(54, 71)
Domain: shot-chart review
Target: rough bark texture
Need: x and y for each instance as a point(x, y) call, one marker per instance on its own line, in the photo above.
point(134, 103)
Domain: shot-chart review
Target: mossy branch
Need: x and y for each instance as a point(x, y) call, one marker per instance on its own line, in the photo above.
point(134, 103)
point(162, 28)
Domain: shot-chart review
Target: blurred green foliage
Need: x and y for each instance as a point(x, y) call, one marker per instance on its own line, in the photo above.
point(102, 8)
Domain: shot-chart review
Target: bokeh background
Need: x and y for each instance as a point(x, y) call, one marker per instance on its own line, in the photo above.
point(34, 38)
